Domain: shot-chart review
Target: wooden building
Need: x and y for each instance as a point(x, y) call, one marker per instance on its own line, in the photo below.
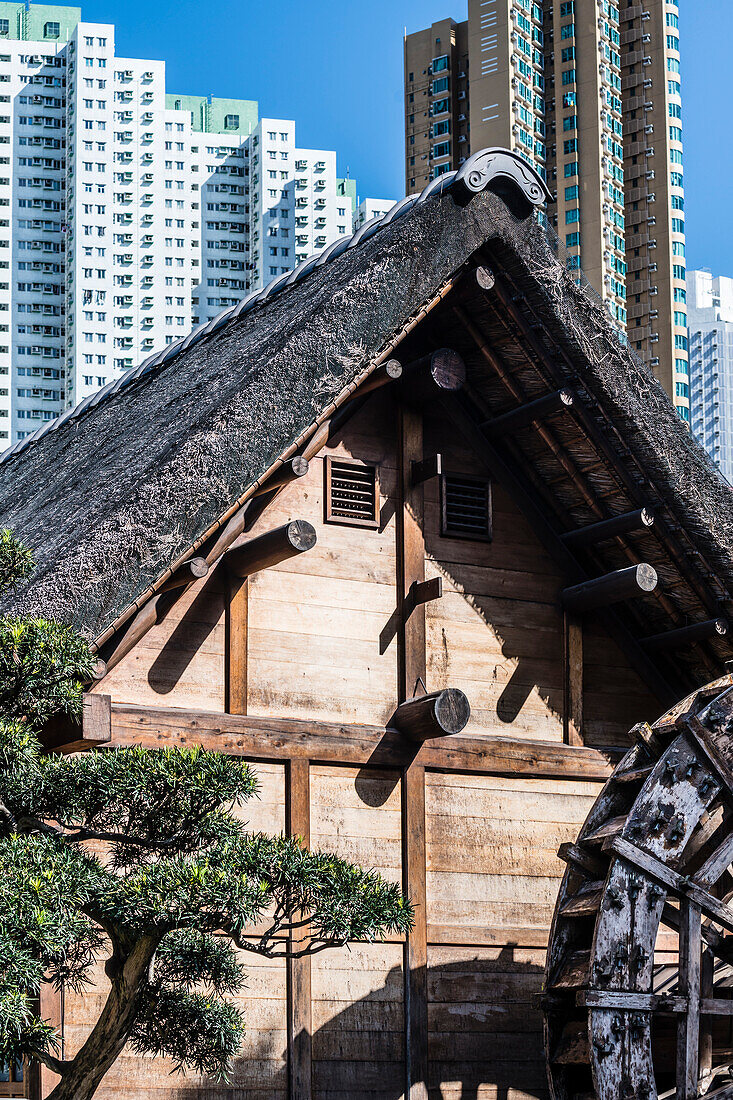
point(423, 462)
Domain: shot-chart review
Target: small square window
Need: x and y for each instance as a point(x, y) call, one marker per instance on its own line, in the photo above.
point(4, 27)
point(231, 122)
point(51, 30)
point(465, 505)
point(352, 493)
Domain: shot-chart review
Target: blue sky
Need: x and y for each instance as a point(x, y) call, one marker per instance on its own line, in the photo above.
point(336, 68)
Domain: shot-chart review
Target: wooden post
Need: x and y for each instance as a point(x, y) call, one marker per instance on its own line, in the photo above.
point(573, 662)
point(270, 549)
point(41, 1081)
point(300, 1026)
point(236, 628)
point(688, 1027)
point(412, 668)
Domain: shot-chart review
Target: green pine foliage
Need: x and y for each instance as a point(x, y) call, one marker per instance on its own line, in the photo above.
point(136, 856)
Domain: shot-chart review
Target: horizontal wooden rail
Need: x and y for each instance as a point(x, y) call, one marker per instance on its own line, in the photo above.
point(622, 584)
point(277, 739)
point(559, 401)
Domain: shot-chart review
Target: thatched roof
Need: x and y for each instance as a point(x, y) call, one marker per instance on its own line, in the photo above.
point(120, 491)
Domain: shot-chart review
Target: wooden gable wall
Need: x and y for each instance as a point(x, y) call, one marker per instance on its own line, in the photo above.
point(473, 842)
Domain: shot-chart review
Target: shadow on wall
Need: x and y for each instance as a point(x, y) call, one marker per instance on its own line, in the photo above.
point(484, 1033)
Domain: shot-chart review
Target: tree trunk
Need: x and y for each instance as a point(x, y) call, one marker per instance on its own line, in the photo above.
point(129, 976)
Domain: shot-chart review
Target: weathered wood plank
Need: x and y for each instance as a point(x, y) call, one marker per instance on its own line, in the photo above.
point(328, 742)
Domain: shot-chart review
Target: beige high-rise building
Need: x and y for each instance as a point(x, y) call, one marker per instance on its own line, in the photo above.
point(589, 94)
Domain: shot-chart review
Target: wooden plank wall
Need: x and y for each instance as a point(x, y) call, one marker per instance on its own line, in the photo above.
point(315, 621)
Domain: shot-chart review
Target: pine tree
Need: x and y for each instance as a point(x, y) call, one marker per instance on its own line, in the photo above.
point(136, 856)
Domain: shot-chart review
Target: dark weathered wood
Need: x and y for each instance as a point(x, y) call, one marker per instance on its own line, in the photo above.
point(683, 887)
point(270, 549)
point(589, 863)
point(632, 1002)
point(300, 1024)
point(715, 864)
point(426, 468)
point(192, 570)
point(289, 472)
point(442, 371)
point(438, 714)
point(236, 626)
point(423, 592)
point(533, 411)
point(638, 520)
point(414, 873)
point(622, 584)
point(63, 734)
point(686, 635)
point(573, 679)
point(688, 1028)
point(333, 743)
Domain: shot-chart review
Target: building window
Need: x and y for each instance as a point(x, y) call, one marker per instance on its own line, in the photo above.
point(351, 493)
point(4, 27)
point(440, 64)
point(51, 30)
point(465, 507)
point(231, 122)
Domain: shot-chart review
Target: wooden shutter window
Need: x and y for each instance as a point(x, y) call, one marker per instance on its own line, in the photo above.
point(465, 507)
point(352, 493)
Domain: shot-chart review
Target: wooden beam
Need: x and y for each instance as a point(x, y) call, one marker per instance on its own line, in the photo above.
point(290, 471)
point(638, 520)
point(423, 592)
point(270, 549)
point(425, 469)
point(441, 369)
point(686, 635)
point(530, 413)
point(192, 570)
point(300, 1024)
point(63, 734)
point(485, 277)
point(414, 876)
point(688, 1027)
point(390, 372)
point(438, 714)
point(622, 584)
point(279, 739)
point(237, 630)
point(573, 662)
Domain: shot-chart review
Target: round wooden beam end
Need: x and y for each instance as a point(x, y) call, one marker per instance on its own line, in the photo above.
point(301, 535)
point(721, 627)
point(646, 577)
point(198, 567)
point(299, 465)
point(100, 669)
point(447, 369)
point(647, 517)
point(566, 398)
point(393, 369)
point(485, 278)
point(452, 710)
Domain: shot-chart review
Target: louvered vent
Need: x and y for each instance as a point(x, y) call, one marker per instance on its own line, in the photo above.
point(466, 507)
point(352, 493)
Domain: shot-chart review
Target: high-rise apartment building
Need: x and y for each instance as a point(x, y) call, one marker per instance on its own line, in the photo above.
point(129, 215)
point(588, 92)
point(710, 320)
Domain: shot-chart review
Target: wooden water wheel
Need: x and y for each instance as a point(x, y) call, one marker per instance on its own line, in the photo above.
point(639, 980)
